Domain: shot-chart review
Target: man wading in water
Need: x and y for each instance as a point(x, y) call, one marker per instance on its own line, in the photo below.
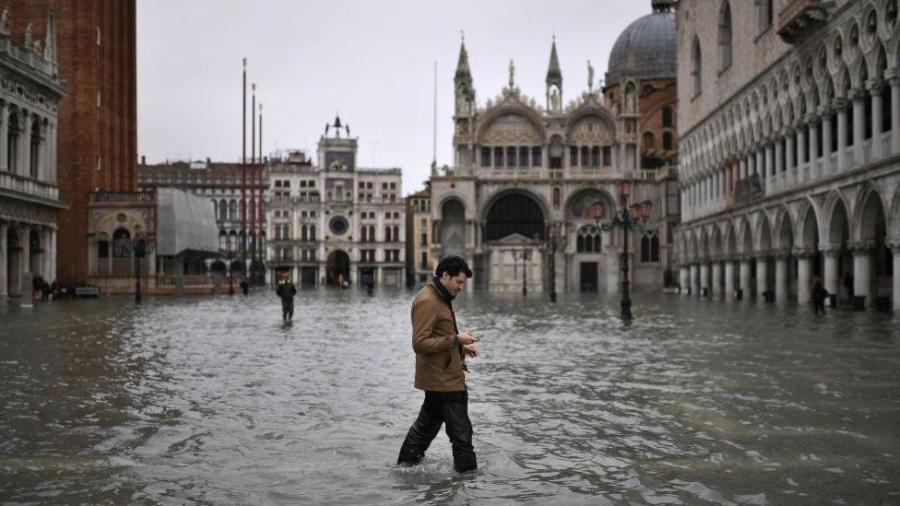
point(440, 351)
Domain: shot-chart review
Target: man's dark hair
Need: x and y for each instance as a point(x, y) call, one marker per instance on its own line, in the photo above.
point(453, 265)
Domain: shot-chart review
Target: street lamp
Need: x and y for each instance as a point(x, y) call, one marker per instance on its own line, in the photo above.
point(524, 255)
point(230, 257)
point(555, 240)
point(627, 221)
point(139, 246)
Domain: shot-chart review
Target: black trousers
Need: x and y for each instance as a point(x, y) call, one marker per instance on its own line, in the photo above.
point(287, 308)
point(452, 409)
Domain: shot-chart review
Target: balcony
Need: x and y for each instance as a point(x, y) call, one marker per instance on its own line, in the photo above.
point(800, 18)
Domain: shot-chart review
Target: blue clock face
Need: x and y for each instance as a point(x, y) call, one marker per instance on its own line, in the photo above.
point(338, 225)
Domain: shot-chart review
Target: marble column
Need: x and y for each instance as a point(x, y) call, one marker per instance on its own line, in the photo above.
point(695, 279)
point(826, 142)
point(804, 276)
point(858, 96)
point(876, 88)
point(862, 270)
point(25, 144)
point(683, 279)
point(841, 105)
point(801, 152)
point(781, 277)
point(704, 277)
point(761, 276)
point(832, 275)
point(894, 80)
point(769, 170)
point(790, 161)
point(744, 279)
point(716, 267)
point(729, 278)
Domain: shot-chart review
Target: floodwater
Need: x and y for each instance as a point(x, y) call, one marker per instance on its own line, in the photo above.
point(215, 401)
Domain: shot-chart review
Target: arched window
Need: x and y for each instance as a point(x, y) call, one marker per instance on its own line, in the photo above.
point(35, 149)
point(285, 232)
point(696, 67)
point(667, 117)
point(588, 240)
point(312, 232)
point(396, 233)
point(121, 243)
point(223, 210)
point(12, 143)
point(387, 234)
point(595, 156)
point(725, 36)
point(585, 156)
point(363, 234)
point(232, 210)
point(304, 233)
point(667, 141)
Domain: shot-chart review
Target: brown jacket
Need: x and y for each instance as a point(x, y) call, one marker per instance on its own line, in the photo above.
point(438, 356)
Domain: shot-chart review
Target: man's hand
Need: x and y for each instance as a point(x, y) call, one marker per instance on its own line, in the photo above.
point(466, 338)
point(470, 350)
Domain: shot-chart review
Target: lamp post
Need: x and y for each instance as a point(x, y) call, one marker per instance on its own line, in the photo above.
point(230, 257)
point(555, 240)
point(627, 220)
point(524, 256)
point(139, 246)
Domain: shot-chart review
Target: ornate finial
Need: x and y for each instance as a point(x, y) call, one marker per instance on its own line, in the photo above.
point(253, 86)
point(4, 22)
point(462, 36)
point(590, 76)
point(512, 74)
point(245, 63)
point(260, 107)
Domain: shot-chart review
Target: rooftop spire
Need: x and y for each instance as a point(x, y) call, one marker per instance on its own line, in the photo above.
point(462, 67)
point(554, 74)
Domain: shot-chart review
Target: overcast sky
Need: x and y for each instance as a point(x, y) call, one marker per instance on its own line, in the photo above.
point(370, 61)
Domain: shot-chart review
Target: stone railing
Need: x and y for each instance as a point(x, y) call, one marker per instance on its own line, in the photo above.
point(28, 186)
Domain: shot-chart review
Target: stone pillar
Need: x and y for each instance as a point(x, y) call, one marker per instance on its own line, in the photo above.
point(695, 280)
point(826, 141)
point(790, 161)
point(745, 277)
point(25, 144)
point(858, 96)
point(781, 278)
point(4, 255)
point(876, 88)
point(894, 80)
point(716, 267)
point(684, 279)
point(52, 234)
point(768, 171)
point(813, 146)
point(729, 278)
point(761, 276)
point(25, 260)
point(4, 135)
point(779, 156)
point(705, 272)
point(841, 105)
point(862, 270)
point(832, 276)
point(742, 171)
point(804, 276)
point(801, 151)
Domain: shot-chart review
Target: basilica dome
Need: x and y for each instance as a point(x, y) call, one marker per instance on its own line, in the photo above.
point(646, 49)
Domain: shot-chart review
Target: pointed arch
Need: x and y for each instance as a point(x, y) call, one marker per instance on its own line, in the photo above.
point(836, 224)
point(725, 36)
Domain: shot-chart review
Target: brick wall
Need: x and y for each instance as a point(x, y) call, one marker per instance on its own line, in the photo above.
point(97, 144)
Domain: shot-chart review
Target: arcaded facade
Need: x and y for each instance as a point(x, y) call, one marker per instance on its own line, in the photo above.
point(30, 93)
point(789, 121)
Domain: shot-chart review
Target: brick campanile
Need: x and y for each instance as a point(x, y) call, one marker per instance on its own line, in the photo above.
point(95, 48)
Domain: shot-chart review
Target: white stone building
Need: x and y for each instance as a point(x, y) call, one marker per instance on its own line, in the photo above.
point(789, 121)
point(30, 92)
point(335, 224)
point(520, 201)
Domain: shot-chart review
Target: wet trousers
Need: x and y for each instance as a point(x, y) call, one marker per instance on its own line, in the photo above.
point(287, 308)
point(451, 409)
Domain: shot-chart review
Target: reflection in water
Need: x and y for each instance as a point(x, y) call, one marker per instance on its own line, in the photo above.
point(217, 401)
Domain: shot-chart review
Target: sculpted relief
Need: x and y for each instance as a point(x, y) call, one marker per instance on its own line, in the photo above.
point(512, 129)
